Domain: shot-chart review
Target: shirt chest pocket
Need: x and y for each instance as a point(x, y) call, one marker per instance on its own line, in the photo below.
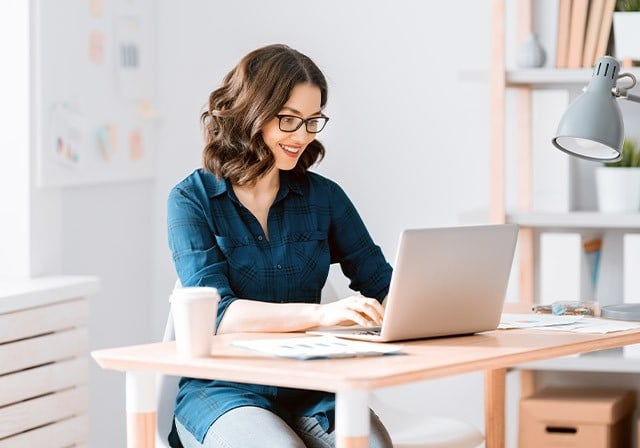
point(310, 252)
point(241, 256)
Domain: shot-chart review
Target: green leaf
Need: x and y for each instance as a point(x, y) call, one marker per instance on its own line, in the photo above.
point(628, 5)
point(630, 154)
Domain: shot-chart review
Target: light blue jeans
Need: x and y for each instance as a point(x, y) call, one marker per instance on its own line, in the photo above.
point(254, 427)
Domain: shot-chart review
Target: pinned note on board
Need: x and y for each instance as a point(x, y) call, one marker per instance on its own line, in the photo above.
point(129, 56)
point(66, 140)
point(96, 7)
point(146, 109)
point(136, 145)
point(107, 141)
point(96, 47)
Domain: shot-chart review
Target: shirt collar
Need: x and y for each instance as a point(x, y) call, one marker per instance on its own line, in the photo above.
point(214, 186)
point(288, 182)
point(291, 182)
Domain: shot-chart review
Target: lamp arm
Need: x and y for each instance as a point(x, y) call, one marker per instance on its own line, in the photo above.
point(623, 92)
point(630, 97)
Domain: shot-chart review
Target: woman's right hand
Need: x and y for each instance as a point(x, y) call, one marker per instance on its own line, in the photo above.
point(356, 309)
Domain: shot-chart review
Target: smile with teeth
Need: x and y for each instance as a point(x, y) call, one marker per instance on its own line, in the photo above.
point(290, 149)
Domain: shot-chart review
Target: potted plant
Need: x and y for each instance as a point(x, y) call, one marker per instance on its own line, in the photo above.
point(618, 183)
point(626, 30)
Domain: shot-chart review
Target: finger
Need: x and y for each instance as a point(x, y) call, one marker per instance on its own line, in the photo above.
point(371, 308)
point(370, 314)
point(376, 310)
point(357, 318)
point(364, 318)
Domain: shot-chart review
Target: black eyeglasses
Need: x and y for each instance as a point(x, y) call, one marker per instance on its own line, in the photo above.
point(291, 123)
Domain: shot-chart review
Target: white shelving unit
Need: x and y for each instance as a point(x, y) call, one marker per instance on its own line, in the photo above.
point(625, 360)
point(554, 78)
point(577, 220)
point(611, 226)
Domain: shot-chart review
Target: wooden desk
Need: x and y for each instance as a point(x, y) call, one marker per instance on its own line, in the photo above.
point(351, 379)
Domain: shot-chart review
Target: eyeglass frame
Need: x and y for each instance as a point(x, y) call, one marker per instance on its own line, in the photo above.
point(302, 121)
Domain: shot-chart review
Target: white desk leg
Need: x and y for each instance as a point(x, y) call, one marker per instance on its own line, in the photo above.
point(494, 407)
point(141, 409)
point(352, 419)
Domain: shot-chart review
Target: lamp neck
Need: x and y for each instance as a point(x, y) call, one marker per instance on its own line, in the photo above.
point(605, 74)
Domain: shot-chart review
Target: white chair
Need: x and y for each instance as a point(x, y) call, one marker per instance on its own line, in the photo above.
point(411, 430)
point(407, 430)
point(167, 389)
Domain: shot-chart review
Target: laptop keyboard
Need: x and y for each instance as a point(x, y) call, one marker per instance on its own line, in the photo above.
point(374, 332)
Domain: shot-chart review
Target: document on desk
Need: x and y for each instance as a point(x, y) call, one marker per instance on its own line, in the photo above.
point(320, 347)
point(576, 324)
point(531, 320)
point(596, 325)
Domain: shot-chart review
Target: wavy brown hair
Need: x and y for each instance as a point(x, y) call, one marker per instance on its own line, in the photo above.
point(250, 95)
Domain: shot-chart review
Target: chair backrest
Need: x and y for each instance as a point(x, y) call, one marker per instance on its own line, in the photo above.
point(167, 389)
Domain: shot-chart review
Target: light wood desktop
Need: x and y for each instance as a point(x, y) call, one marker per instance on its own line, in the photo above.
point(351, 379)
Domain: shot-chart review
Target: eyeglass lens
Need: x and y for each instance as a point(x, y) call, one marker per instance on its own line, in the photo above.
point(290, 123)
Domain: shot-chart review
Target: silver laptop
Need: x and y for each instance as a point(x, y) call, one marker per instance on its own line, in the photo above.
point(446, 281)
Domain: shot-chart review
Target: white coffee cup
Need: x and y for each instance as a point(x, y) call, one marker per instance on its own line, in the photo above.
point(194, 311)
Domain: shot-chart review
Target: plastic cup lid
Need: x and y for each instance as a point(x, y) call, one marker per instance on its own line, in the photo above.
point(194, 293)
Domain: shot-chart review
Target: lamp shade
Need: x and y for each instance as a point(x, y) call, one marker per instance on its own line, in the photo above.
point(592, 126)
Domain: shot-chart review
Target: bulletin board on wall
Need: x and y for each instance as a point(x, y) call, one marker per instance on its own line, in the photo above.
point(93, 90)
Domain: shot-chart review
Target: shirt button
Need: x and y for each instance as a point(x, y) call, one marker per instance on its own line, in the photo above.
point(279, 266)
point(259, 237)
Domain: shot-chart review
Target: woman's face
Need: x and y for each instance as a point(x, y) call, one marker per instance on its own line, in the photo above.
point(287, 147)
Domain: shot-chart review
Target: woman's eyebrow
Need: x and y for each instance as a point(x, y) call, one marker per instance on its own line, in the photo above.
point(295, 111)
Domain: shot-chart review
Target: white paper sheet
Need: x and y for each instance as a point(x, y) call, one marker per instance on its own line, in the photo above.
point(576, 324)
point(320, 347)
point(531, 320)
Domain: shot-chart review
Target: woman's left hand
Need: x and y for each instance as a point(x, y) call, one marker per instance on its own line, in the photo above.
point(357, 309)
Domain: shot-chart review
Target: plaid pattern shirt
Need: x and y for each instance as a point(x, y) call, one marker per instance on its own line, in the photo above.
point(215, 241)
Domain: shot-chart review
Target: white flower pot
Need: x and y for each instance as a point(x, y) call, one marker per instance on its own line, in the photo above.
point(618, 189)
point(626, 35)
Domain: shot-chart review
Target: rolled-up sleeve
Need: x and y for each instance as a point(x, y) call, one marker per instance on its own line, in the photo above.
point(197, 258)
point(361, 260)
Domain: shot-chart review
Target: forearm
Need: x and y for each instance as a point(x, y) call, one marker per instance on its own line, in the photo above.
point(253, 316)
point(249, 315)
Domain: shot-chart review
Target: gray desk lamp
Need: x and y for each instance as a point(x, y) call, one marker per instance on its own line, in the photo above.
point(592, 129)
point(592, 126)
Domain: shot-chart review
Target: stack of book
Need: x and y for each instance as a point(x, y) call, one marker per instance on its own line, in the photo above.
point(584, 29)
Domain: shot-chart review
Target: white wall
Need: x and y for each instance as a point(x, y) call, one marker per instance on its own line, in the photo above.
point(106, 231)
point(30, 216)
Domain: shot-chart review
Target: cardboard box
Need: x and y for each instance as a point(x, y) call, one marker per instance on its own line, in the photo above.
point(580, 418)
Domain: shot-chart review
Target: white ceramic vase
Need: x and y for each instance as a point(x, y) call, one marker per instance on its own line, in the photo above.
point(530, 53)
point(618, 189)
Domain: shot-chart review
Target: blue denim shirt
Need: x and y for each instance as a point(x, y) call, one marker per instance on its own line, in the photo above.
point(215, 241)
